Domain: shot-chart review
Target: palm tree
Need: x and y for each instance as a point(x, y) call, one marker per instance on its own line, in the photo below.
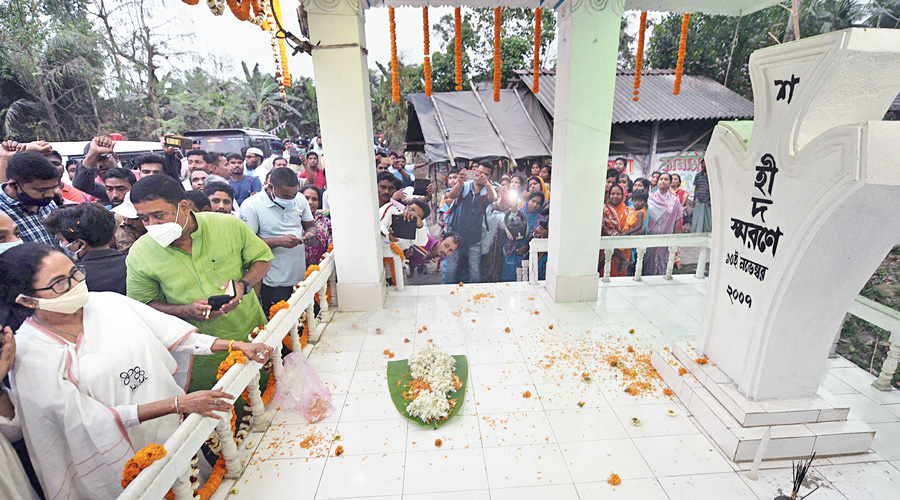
point(266, 104)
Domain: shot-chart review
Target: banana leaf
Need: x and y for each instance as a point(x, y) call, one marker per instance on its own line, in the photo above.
point(398, 382)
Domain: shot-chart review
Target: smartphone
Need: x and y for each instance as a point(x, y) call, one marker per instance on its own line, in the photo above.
point(217, 301)
point(471, 175)
point(387, 161)
point(421, 187)
point(512, 196)
point(178, 141)
point(544, 224)
point(402, 228)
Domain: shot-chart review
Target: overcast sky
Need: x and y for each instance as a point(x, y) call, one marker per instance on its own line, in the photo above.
point(236, 41)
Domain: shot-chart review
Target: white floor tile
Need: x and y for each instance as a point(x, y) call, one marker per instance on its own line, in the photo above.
point(517, 466)
point(863, 481)
point(462, 432)
point(494, 353)
point(863, 408)
point(555, 492)
point(334, 361)
point(451, 495)
point(591, 461)
point(275, 478)
point(507, 429)
point(377, 360)
point(355, 476)
point(585, 424)
point(774, 482)
point(507, 399)
point(295, 441)
point(369, 407)
point(681, 455)
point(382, 341)
point(372, 437)
point(569, 395)
point(337, 382)
point(286, 416)
point(495, 375)
point(655, 420)
point(444, 470)
point(630, 489)
point(369, 381)
point(887, 440)
point(694, 487)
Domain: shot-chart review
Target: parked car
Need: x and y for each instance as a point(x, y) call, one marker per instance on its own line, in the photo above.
point(233, 140)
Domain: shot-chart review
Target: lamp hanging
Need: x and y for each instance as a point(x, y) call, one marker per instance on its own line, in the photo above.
point(682, 48)
point(497, 66)
point(395, 65)
point(639, 60)
point(457, 19)
point(536, 70)
point(427, 67)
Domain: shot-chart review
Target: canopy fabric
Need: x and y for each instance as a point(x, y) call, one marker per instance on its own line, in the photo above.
point(469, 131)
point(727, 7)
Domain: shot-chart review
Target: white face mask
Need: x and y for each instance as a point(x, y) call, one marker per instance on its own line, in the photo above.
point(66, 303)
point(167, 232)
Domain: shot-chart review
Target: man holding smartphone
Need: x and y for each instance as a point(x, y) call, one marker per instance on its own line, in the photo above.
point(468, 200)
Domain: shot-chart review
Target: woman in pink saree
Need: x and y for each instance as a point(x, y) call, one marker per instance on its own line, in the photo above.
point(664, 211)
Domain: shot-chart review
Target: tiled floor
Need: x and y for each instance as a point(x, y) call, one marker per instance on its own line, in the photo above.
point(560, 443)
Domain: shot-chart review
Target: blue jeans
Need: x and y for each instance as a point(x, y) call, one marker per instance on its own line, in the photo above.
point(451, 264)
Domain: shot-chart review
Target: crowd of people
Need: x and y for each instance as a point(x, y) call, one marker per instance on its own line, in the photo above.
point(123, 286)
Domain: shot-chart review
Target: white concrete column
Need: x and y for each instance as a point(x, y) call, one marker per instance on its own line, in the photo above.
point(337, 31)
point(585, 84)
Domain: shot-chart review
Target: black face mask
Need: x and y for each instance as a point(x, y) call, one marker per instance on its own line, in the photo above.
point(26, 199)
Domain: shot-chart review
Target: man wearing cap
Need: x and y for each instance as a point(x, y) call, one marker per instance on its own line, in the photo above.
point(252, 159)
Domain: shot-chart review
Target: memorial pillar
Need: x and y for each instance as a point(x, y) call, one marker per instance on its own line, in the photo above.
point(585, 86)
point(337, 32)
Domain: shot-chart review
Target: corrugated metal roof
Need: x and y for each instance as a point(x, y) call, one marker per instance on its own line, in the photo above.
point(701, 98)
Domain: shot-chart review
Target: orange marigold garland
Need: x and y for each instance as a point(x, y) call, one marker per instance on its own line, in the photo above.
point(141, 460)
point(282, 46)
point(277, 307)
point(457, 44)
point(240, 10)
point(191, 2)
point(682, 48)
point(536, 70)
point(497, 54)
point(395, 64)
point(639, 59)
point(427, 67)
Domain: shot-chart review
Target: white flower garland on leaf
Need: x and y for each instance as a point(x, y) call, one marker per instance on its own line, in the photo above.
point(433, 365)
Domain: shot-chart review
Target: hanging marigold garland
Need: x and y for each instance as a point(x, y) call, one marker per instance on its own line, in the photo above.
point(241, 10)
point(395, 64)
point(536, 70)
point(497, 66)
point(639, 59)
point(457, 42)
point(282, 46)
point(427, 67)
point(682, 48)
point(191, 2)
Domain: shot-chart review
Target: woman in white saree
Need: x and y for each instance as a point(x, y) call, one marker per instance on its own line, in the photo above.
point(93, 380)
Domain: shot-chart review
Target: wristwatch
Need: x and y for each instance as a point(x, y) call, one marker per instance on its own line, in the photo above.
point(246, 285)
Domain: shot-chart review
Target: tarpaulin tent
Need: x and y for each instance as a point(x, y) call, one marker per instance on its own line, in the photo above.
point(469, 124)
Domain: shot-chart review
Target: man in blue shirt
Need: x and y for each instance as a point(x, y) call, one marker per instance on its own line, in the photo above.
point(244, 186)
point(469, 200)
point(28, 195)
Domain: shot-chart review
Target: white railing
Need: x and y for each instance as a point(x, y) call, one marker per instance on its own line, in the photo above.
point(175, 468)
point(641, 244)
point(887, 319)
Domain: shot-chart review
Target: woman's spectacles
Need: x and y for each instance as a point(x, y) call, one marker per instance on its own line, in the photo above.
point(63, 285)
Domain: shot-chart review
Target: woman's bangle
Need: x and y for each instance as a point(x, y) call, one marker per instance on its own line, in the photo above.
point(229, 345)
point(176, 406)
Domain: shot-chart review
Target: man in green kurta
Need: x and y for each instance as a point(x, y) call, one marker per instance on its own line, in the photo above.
point(187, 257)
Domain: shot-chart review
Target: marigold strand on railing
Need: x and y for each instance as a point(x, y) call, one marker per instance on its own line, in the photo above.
point(426, 68)
point(682, 49)
point(639, 59)
point(457, 44)
point(536, 70)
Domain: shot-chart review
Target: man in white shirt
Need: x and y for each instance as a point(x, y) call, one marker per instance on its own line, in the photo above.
point(284, 221)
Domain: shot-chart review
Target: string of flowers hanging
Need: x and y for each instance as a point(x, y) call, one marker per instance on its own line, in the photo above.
point(282, 47)
point(497, 66)
point(395, 64)
point(217, 7)
point(639, 60)
point(457, 19)
point(536, 70)
point(240, 10)
point(427, 67)
point(682, 48)
point(276, 54)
